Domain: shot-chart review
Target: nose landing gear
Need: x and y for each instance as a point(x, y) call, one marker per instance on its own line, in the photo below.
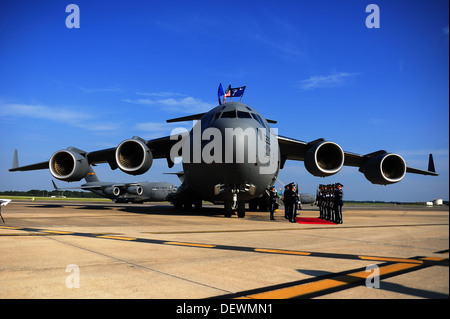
point(231, 205)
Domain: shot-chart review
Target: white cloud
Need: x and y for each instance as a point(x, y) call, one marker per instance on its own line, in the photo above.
point(41, 112)
point(55, 114)
point(326, 81)
point(173, 102)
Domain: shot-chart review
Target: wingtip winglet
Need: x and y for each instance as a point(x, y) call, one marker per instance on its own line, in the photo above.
point(15, 162)
point(431, 167)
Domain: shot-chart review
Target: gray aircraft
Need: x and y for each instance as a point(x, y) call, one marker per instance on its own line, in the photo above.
point(138, 192)
point(231, 155)
point(306, 198)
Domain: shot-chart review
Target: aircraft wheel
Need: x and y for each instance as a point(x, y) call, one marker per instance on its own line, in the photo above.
point(241, 209)
point(188, 205)
point(228, 208)
point(198, 204)
point(177, 204)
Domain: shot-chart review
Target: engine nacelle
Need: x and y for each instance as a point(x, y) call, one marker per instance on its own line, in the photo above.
point(112, 191)
point(385, 169)
point(68, 165)
point(324, 159)
point(135, 190)
point(133, 156)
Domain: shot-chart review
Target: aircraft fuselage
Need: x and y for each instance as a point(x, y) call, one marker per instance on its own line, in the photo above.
point(231, 151)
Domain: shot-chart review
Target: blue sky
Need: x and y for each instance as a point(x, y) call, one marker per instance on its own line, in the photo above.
point(312, 65)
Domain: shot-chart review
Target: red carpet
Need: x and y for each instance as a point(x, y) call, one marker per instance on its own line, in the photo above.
point(313, 220)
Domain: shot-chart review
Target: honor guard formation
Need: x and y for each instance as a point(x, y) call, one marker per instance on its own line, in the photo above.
point(291, 200)
point(329, 198)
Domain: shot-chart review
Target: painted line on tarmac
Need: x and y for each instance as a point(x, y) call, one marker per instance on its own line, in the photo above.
point(113, 236)
point(324, 285)
point(292, 228)
point(308, 288)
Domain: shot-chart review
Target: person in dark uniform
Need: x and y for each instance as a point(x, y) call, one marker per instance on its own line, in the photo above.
point(294, 203)
point(319, 200)
point(325, 203)
point(338, 203)
point(286, 200)
point(273, 202)
point(331, 203)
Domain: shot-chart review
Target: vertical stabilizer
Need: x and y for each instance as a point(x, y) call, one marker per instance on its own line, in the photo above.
point(91, 176)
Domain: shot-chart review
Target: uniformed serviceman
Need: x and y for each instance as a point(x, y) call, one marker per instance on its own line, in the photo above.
point(331, 203)
point(286, 200)
point(294, 203)
point(326, 199)
point(338, 203)
point(319, 195)
point(273, 202)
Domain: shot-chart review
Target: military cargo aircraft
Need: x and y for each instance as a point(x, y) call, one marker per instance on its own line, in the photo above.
point(231, 155)
point(126, 192)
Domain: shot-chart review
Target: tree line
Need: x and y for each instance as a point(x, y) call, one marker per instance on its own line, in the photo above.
point(45, 193)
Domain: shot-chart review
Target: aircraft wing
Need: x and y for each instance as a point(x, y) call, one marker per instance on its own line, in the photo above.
point(160, 148)
point(32, 167)
point(323, 158)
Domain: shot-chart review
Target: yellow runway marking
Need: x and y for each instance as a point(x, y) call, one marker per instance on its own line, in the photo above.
point(57, 232)
point(188, 244)
point(317, 286)
point(399, 260)
point(278, 251)
point(117, 237)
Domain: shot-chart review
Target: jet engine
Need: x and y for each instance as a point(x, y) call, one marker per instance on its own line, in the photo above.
point(384, 169)
point(135, 190)
point(113, 190)
point(324, 159)
point(68, 165)
point(133, 156)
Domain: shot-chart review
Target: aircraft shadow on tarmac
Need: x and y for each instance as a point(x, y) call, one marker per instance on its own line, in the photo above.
point(208, 210)
point(387, 286)
point(212, 211)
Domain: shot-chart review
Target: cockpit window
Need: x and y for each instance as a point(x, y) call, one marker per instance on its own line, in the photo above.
point(216, 116)
point(243, 115)
point(228, 115)
point(259, 119)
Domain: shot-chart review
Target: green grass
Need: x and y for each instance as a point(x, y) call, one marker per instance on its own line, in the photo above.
point(37, 198)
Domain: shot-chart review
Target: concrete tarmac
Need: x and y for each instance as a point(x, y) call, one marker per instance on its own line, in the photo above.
point(69, 249)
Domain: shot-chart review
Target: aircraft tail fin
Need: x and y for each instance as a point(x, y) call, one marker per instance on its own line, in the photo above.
point(91, 176)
